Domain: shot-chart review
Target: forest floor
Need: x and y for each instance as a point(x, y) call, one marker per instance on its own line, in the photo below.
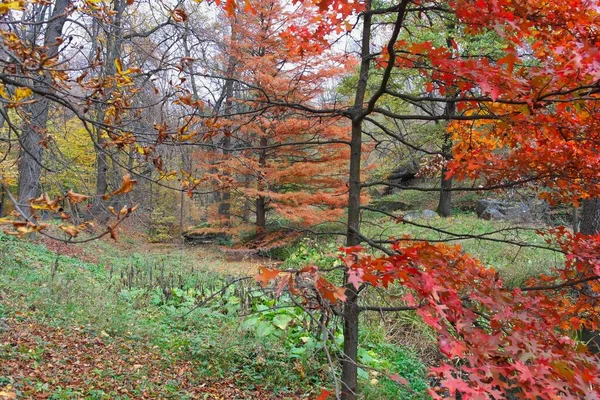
point(42, 361)
point(71, 328)
point(136, 320)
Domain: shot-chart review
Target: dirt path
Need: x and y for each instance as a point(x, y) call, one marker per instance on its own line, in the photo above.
point(39, 362)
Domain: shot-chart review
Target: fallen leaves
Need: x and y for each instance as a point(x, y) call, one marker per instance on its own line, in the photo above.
point(39, 359)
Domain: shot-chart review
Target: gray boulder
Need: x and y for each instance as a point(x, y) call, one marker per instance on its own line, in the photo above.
point(391, 206)
point(490, 209)
point(429, 214)
point(425, 214)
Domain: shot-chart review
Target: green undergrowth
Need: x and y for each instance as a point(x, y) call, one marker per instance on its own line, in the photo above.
point(155, 298)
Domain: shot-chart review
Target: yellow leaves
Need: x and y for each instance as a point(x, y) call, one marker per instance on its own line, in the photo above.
point(44, 203)
point(21, 93)
point(119, 66)
point(124, 78)
point(11, 5)
point(25, 228)
point(8, 393)
point(127, 185)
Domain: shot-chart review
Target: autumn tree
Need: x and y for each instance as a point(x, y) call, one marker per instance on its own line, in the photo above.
point(288, 162)
point(522, 116)
point(526, 118)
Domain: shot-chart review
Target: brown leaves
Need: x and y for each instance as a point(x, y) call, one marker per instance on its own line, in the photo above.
point(266, 275)
point(116, 366)
point(127, 185)
point(72, 230)
point(75, 198)
point(24, 228)
point(44, 203)
point(179, 15)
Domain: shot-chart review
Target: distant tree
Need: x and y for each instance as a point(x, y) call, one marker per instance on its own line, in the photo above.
point(289, 162)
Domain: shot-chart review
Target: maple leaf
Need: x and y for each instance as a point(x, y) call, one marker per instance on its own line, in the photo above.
point(324, 395)
point(266, 275)
point(355, 277)
point(510, 59)
point(397, 378)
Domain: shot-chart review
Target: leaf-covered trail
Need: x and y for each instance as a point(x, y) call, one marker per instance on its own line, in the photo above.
point(38, 361)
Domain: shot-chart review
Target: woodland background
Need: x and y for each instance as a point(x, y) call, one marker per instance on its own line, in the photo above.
point(299, 199)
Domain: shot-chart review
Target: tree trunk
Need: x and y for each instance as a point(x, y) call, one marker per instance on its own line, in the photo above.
point(99, 211)
point(261, 201)
point(590, 217)
point(225, 205)
point(261, 214)
point(444, 207)
point(34, 127)
point(2, 196)
point(445, 203)
point(30, 161)
point(590, 225)
point(351, 311)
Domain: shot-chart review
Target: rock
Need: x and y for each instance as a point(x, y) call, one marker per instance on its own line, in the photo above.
point(3, 325)
point(403, 174)
point(391, 206)
point(411, 216)
point(204, 236)
point(429, 214)
point(490, 209)
point(425, 214)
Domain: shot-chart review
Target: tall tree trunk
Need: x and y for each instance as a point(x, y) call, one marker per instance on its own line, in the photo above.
point(225, 204)
point(113, 51)
point(590, 217)
point(261, 214)
point(2, 198)
point(590, 225)
point(351, 311)
point(445, 203)
point(261, 201)
point(444, 207)
point(34, 127)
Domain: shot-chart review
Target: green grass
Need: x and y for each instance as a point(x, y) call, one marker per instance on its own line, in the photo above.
point(149, 293)
point(514, 263)
point(237, 335)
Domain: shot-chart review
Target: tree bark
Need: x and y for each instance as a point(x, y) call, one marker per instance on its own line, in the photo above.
point(444, 208)
point(261, 201)
point(590, 217)
point(225, 204)
point(590, 225)
point(36, 119)
point(113, 51)
point(2, 197)
point(351, 312)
